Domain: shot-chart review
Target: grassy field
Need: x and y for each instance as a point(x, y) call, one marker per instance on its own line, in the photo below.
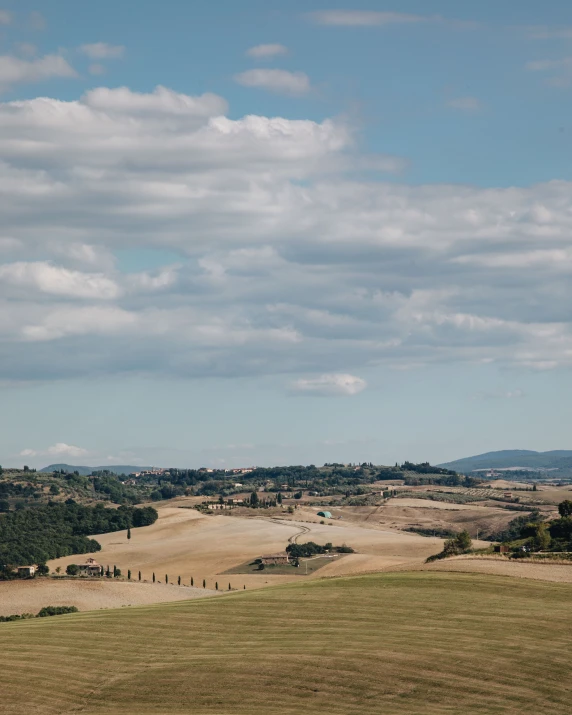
point(306, 567)
point(411, 643)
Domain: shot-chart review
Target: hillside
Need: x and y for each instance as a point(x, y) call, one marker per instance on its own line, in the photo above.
point(403, 644)
point(514, 458)
point(85, 471)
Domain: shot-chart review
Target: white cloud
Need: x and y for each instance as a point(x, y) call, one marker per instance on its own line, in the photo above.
point(280, 81)
point(5, 17)
point(102, 51)
point(363, 18)
point(273, 254)
point(61, 449)
point(55, 280)
point(332, 384)
point(160, 101)
point(14, 70)
point(267, 51)
point(465, 104)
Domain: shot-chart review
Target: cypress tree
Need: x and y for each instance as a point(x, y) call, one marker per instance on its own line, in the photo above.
point(140, 575)
point(192, 581)
point(129, 574)
point(204, 583)
point(153, 577)
point(166, 578)
point(128, 533)
point(229, 587)
point(216, 586)
point(179, 580)
point(114, 571)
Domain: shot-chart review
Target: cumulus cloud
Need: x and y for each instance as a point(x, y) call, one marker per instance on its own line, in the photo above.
point(61, 449)
point(102, 51)
point(14, 70)
point(280, 81)
point(46, 278)
point(465, 104)
point(282, 259)
point(266, 51)
point(334, 384)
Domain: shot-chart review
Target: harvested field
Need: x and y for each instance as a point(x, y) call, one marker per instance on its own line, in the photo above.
point(557, 573)
point(188, 543)
point(405, 644)
point(88, 595)
point(427, 504)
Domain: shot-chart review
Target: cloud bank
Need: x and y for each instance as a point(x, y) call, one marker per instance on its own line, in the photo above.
point(282, 259)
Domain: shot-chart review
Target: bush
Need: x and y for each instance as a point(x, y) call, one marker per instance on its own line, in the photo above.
point(72, 570)
point(56, 611)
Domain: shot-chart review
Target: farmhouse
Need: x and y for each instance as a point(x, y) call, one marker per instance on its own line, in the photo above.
point(26, 571)
point(275, 559)
point(90, 568)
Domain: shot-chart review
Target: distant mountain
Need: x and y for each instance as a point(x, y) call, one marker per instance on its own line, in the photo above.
point(560, 459)
point(84, 471)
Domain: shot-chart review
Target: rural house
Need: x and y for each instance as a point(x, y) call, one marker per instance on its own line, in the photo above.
point(275, 559)
point(90, 568)
point(26, 571)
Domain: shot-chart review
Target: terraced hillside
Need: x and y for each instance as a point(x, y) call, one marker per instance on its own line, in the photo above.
point(430, 643)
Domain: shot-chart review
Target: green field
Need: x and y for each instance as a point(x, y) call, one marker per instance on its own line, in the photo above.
point(417, 643)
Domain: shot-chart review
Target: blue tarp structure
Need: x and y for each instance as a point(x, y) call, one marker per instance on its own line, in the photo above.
point(325, 514)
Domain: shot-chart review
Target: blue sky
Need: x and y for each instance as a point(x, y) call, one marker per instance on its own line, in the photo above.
point(270, 232)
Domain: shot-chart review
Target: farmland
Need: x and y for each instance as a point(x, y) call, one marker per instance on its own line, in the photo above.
point(404, 644)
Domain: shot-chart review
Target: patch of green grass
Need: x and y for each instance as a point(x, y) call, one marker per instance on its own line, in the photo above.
point(306, 567)
point(397, 644)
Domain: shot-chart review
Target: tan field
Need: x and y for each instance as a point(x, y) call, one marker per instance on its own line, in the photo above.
point(557, 573)
point(88, 595)
point(183, 542)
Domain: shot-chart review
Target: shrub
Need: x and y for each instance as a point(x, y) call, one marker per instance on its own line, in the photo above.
point(72, 570)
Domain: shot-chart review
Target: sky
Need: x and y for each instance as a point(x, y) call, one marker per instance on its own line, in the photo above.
point(274, 232)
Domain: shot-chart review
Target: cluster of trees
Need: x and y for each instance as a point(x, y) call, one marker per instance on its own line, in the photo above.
point(48, 532)
point(310, 548)
point(43, 613)
point(459, 544)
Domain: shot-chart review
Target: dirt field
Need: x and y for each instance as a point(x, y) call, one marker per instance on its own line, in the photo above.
point(30, 596)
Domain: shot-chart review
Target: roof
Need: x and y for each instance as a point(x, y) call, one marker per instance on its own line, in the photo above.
point(327, 514)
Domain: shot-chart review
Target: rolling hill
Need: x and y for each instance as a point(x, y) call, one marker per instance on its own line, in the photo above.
point(512, 458)
point(85, 471)
point(400, 643)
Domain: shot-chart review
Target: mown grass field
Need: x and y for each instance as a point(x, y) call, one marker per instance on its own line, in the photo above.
point(400, 643)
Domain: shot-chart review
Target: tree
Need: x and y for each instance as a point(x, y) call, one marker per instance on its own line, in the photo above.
point(54, 489)
point(229, 588)
point(58, 569)
point(204, 583)
point(108, 572)
point(43, 570)
point(565, 508)
point(254, 500)
point(153, 577)
point(463, 540)
point(279, 498)
point(140, 575)
point(129, 574)
point(4, 506)
point(166, 578)
point(179, 581)
point(216, 586)
point(192, 581)
point(128, 533)
point(72, 570)
point(542, 537)
point(114, 570)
